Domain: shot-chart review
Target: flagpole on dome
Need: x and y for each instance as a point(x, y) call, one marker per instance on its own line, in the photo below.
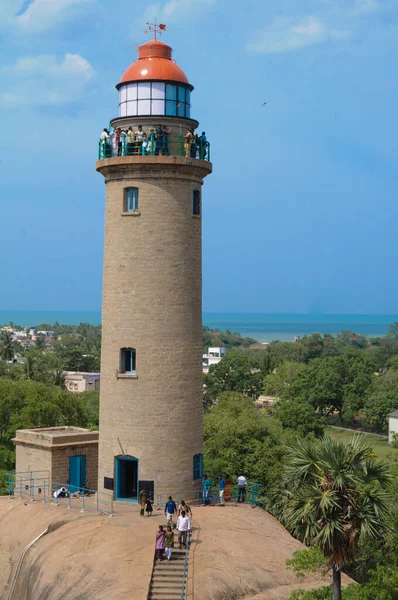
point(155, 28)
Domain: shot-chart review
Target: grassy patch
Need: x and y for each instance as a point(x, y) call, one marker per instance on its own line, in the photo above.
point(379, 445)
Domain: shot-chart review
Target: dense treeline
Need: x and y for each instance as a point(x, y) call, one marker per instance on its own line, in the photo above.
point(348, 379)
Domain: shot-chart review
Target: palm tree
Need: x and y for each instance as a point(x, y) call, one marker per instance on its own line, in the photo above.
point(6, 345)
point(339, 498)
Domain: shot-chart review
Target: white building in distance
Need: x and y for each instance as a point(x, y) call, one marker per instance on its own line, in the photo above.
point(392, 425)
point(213, 357)
point(81, 382)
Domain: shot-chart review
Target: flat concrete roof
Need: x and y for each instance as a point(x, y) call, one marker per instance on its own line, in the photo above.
point(56, 436)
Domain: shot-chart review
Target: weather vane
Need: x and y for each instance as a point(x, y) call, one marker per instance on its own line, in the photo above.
point(157, 29)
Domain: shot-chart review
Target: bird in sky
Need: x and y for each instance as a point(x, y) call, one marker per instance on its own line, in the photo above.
point(264, 103)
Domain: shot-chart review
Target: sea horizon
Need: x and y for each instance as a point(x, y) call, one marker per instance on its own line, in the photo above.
point(264, 327)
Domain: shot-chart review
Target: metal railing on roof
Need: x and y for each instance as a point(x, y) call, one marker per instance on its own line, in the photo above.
point(36, 486)
point(153, 145)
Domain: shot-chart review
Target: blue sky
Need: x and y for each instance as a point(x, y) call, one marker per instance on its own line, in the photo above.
point(300, 214)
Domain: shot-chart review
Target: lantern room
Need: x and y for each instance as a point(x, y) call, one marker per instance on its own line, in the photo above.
point(154, 85)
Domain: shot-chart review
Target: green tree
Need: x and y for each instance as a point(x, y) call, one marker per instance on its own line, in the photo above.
point(298, 415)
point(232, 374)
point(339, 499)
point(280, 381)
point(392, 331)
point(382, 399)
point(40, 342)
point(43, 367)
point(321, 384)
point(239, 438)
point(7, 351)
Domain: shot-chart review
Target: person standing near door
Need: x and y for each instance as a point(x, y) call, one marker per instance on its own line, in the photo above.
point(143, 499)
point(170, 511)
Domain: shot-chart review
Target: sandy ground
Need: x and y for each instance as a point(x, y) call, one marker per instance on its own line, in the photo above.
point(91, 556)
point(243, 548)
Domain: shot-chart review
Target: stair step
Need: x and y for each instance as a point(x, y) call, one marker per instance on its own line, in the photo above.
point(165, 585)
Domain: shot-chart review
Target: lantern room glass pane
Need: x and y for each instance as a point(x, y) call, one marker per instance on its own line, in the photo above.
point(157, 107)
point(171, 108)
point(131, 109)
point(187, 111)
point(158, 90)
point(171, 92)
point(132, 91)
point(181, 109)
point(123, 93)
point(123, 110)
point(181, 94)
point(144, 90)
point(188, 96)
point(144, 107)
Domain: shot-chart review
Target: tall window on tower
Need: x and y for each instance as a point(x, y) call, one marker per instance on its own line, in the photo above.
point(130, 200)
point(128, 361)
point(196, 202)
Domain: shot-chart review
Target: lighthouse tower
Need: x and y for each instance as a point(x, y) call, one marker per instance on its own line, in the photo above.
point(151, 369)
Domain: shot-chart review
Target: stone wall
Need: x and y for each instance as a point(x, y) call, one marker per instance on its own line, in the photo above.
point(152, 301)
point(60, 463)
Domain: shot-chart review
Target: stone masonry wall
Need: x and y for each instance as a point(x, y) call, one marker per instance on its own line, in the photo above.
point(152, 301)
point(60, 463)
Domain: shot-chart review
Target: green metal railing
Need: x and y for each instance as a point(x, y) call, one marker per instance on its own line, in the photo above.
point(36, 486)
point(186, 563)
point(252, 495)
point(152, 146)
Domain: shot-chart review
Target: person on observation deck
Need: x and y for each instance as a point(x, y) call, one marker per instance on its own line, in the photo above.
point(130, 141)
point(203, 145)
point(188, 141)
point(139, 138)
point(166, 132)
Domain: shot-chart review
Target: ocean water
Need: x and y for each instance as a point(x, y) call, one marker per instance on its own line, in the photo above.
point(259, 326)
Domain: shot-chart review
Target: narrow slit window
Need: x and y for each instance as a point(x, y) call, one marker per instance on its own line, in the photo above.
point(128, 361)
point(196, 202)
point(131, 200)
point(197, 467)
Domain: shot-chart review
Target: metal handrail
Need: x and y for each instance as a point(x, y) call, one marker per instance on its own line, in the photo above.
point(170, 145)
point(252, 496)
point(40, 488)
point(186, 562)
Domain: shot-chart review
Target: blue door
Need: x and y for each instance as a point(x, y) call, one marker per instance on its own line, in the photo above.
point(77, 472)
point(127, 479)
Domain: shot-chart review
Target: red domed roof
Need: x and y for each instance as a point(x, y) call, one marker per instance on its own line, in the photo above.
point(154, 62)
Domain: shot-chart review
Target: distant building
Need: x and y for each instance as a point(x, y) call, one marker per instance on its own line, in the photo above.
point(78, 382)
point(392, 425)
point(213, 357)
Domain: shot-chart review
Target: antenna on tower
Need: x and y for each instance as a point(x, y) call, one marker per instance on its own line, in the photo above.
point(155, 28)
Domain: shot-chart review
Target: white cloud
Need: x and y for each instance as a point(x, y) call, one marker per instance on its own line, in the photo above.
point(285, 35)
point(331, 22)
point(177, 10)
point(45, 80)
point(40, 15)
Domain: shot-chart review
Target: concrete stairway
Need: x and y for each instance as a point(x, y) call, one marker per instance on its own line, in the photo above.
point(167, 576)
